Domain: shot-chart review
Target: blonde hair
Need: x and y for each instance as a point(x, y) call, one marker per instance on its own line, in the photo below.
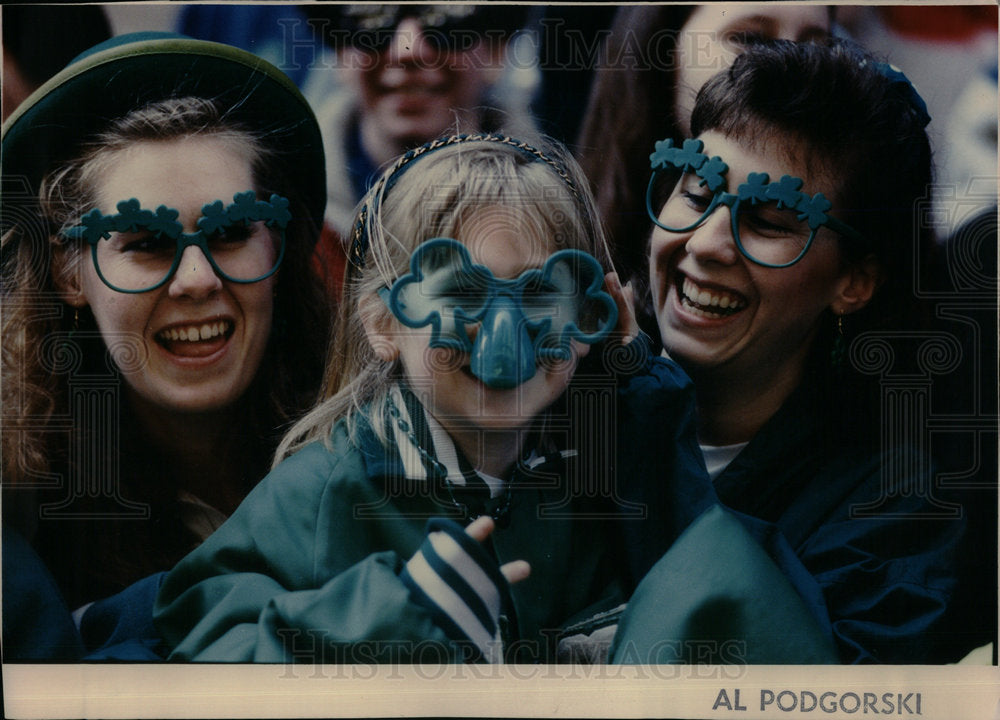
point(453, 178)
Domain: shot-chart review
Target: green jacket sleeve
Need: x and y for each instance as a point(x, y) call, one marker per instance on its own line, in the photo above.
point(717, 597)
point(297, 573)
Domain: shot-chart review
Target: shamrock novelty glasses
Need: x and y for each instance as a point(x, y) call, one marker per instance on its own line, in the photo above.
point(521, 321)
point(773, 224)
point(138, 250)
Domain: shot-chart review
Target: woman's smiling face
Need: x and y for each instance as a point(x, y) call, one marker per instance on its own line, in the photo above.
point(717, 311)
point(195, 343)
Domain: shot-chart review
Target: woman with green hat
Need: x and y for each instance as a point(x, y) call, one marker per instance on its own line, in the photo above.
point(161, 321)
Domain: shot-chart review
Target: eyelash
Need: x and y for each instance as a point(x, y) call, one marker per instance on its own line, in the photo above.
point(698, 202)
point(233, 233)
point(148, 243)
point(761, 225)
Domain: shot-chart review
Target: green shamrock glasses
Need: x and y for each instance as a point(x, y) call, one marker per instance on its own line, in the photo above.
point(773, 224)
point(138, 250)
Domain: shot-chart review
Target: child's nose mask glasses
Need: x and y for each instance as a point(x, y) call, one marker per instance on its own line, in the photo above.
point(519, 323)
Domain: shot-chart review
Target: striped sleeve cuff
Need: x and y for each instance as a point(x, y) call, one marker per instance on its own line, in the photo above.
point(453, 576)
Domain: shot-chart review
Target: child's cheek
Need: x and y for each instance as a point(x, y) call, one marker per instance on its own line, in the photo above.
point(564, 369)
point(444, 361)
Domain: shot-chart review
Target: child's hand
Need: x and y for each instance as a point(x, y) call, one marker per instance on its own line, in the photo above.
point(452, 575)
point(480, 529)
point(624, 297)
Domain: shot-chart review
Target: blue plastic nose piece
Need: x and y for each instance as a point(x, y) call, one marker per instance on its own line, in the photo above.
point(503, 355)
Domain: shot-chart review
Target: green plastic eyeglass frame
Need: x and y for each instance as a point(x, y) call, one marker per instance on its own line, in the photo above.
point(758, 189)
point(245, 209)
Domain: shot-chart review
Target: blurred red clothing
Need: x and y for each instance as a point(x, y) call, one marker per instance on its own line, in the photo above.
point(940, 23)
point(330, 260)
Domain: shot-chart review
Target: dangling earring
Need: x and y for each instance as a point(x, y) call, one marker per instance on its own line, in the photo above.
point(73, 329)
point(839, 344)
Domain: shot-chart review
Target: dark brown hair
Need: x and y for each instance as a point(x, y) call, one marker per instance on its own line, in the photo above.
point(857, 120)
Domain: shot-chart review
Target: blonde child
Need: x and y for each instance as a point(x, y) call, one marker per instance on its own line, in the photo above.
point(475, 288)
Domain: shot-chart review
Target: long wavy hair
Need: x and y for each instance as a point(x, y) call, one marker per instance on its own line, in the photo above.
point(47, 346)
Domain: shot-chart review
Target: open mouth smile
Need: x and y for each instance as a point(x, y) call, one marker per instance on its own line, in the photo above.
point(196, 339)
point(708, 302)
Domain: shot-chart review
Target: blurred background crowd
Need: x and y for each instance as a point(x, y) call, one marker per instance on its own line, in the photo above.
point(536, 66)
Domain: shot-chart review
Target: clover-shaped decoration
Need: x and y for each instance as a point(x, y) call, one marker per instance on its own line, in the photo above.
point(663, 151)
point(786, 192)
point(548, 302)
point(690, 157)
point(444, 289)
point(687, 158)
point(131, 216)
point(243, 208)
point(165, 223)
point(213, 218)
point(586, 312)
point(813, 210)
point(93, 226)
point(712, 173)
point(754, 189)
point(275, 212)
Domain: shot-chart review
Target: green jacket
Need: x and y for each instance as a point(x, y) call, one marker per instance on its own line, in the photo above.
point(315, 565)
point(308, 567)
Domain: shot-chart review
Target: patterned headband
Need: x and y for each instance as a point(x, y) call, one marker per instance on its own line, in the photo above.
point(359, 241)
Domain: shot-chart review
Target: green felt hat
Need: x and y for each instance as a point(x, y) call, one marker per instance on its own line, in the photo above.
point(129, 71)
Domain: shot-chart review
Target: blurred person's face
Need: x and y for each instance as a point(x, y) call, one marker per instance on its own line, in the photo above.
point(414, 89)
point(716, 33)
point(15, 87)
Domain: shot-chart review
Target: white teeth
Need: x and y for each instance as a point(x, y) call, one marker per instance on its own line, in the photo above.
point(193, 333)
point(699, 299)
point(695, 310)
